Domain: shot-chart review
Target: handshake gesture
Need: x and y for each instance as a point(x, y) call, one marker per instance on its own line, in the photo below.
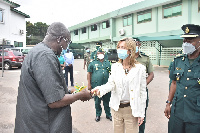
point(95, 92)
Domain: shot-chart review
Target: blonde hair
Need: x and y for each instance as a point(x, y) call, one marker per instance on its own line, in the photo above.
point(131, 45)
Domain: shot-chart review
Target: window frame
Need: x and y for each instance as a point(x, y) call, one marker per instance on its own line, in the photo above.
point(2, 10)
point(142, 13)
point(127, 17)
point(107, 24)
point(75, 32)
point(18, 44)
point(171, 6)
point(95, 27)
point(199, 6)
point(83, 30)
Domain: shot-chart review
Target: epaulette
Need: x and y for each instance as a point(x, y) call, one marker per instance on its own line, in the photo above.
point(179, 55)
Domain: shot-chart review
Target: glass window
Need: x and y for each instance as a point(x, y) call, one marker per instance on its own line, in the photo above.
point(17, 53)
point(18, 44)
point(173, 9)
point(105, 24)
point(75, 32)
point(83, 30)
point(3, 53)
point(1, 15)
point(94, 27)
point(199, 6)
point(144, 16)
point(127, 20)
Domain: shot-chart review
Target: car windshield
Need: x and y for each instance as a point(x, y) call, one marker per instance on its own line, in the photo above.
point(17, 53)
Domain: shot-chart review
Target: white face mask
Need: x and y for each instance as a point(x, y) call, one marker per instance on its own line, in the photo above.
point(100, 56)
point(188, 48)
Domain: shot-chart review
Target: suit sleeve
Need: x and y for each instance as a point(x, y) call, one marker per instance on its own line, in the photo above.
point(143, 92)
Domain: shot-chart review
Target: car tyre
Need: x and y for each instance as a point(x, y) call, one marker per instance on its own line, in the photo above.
point(7, 66)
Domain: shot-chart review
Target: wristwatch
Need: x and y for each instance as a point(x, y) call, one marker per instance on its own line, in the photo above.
point(169, 102)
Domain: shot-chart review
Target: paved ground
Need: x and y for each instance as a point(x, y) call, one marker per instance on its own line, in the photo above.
point(83, 113)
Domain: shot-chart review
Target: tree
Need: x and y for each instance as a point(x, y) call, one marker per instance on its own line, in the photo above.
point(35, 32)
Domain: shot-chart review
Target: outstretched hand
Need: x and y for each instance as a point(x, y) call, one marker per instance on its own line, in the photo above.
point(85, 95)
point(95, 91)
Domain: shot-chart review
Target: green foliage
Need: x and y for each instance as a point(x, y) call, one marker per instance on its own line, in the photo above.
point(35, 32)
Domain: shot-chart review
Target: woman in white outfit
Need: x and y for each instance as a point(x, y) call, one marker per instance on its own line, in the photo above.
point(127, 84)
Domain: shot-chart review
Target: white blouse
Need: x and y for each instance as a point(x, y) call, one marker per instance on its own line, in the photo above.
point(136, 84)
point(125, 89)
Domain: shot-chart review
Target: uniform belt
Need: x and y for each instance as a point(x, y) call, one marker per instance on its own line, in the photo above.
point(124, 105)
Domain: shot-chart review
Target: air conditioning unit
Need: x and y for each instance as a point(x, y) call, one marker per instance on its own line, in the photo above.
point(21, 32)
point(121, 32)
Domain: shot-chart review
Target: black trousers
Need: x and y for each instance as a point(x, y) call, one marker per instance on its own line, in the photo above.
point(70, 70)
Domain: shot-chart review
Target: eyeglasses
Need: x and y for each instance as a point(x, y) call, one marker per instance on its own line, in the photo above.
point(66, 39)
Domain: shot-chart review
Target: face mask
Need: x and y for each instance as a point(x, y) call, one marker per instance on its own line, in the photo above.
point(87, 50)
point(137, 49)
point(188, 48)
point(122, 53)
point(100, 56)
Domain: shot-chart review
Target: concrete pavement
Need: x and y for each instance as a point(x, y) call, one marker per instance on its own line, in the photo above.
point(83, 113)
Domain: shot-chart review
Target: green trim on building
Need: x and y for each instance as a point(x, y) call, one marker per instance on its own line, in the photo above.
point(90, 22)
point(146, 38)
point(164, 35)
point(12, 3)
point(137, 7)
point(19, 12)
point(93, 40)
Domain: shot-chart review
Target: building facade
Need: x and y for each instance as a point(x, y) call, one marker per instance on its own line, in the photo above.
point(12, 24)
point(157, 23)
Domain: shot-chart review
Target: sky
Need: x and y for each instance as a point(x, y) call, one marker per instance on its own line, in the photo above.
point(69, 12)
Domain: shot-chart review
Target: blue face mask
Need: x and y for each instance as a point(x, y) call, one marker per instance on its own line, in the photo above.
point(122, 53)
point(87, 50)
point(137, 49)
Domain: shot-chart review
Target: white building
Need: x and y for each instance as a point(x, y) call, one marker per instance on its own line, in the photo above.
point(157, 23)
point(12, 24)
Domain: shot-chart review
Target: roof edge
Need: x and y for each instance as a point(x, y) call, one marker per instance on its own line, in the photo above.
point(12, 3)
point(19, 12)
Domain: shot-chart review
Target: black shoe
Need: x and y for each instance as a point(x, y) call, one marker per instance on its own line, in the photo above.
point(97, 119)
point(109, 117)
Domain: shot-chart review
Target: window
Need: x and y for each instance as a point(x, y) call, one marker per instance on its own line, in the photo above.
point(1, 16)
point(94, 27)
point(127, 20)
point(144, 16)
point(172, 10)
point(83, 30)
point(18, 44)
point(199, 6)
point(105, 24)
point(76, 32)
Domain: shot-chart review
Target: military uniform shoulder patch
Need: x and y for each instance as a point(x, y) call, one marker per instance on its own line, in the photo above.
point(179, 55)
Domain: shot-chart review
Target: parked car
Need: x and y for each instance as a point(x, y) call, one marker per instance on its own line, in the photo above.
point(112, 55)
point(22, 49)
point(6, 46)
point(11, 59)
point(78, 54)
